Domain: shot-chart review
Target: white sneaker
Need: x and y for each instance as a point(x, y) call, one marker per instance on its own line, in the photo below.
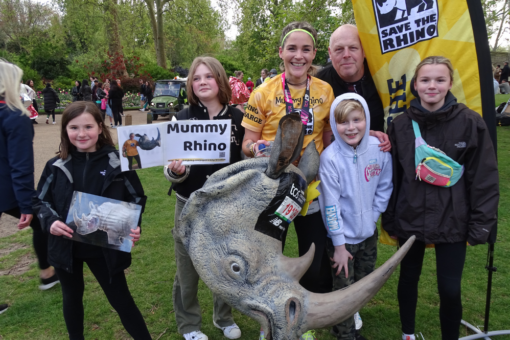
point(196, 335)
point(408, 337)
point(54, 123)
point(231, 332)
point(358, 321)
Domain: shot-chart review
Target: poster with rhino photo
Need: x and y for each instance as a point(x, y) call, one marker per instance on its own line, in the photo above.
point(102, 221)
point(195, 142)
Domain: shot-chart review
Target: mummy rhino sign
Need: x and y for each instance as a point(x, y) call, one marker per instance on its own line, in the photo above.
point(232, 232)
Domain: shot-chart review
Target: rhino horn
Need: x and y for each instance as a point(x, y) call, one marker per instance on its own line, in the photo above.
point(325, 310)
point(287, 144)
point(309, 162)
point(76, 219)
point(297, 267)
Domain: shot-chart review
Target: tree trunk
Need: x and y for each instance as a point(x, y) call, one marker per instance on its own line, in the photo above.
point(160, 43)
point(112, 29)
point(504, 13)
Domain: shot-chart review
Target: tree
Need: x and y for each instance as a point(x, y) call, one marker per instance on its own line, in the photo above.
point(503, 21)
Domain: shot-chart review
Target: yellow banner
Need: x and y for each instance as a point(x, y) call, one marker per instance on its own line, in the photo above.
point(397, 34)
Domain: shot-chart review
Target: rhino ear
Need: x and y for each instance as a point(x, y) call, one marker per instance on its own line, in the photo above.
point(309, 162)
point(287, 144)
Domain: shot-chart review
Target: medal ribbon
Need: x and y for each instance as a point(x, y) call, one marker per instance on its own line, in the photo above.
point(289, 104)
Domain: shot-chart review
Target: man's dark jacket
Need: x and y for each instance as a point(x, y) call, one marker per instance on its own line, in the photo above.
point(330, 76)
point(53, 199)
point(16, 160)
point(464, 212)
point(50, 98)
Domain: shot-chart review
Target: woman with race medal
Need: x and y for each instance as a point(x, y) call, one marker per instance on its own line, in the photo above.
point(296, 91)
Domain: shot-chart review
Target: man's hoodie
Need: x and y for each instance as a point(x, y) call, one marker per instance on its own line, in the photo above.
point(356, 183)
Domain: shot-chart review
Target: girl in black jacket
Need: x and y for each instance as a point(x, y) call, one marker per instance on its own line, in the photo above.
point(448, 217)
point(209, 94)
point(51, 100)
point(87, 162)
point(115, 101)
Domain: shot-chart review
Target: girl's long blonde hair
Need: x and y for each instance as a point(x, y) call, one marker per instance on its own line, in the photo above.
point(10, 80)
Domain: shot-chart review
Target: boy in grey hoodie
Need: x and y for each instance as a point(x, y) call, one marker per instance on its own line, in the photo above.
point(356, 185)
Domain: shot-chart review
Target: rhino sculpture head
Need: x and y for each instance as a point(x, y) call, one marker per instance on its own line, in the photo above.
point(232, 229)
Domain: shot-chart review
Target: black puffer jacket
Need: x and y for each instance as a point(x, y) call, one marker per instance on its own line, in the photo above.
point(54, 195)
point(86, 91)
point(463, 212)
point(50, 98)
point(198, 174)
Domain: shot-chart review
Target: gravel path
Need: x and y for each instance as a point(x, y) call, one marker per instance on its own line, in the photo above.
point(46, 143)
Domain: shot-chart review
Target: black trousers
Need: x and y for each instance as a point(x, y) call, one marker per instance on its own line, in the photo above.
point(310, 229)
point(450, 258)
point(50, 112)
point(116, 116)
point(34, 103)
point(116, 291)
point(39, 238)
point(130, 161)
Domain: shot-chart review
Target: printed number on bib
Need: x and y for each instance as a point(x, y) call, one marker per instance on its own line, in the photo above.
point(288, 210)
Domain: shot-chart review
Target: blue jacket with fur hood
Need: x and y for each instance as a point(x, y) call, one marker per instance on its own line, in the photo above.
point(356, 183)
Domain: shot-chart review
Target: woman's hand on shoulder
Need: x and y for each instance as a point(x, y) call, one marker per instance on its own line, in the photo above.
point(59, 228)
point(383, 138)
point(176, 167)
point(135, 234)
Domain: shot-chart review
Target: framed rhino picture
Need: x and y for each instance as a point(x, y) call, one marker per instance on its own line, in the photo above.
point(103, 221)
point(195, 142)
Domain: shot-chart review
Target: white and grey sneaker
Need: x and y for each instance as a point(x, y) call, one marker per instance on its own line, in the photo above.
point(49, 282)
point(231, 332)
point(358, 321)
point(196, 335)
point(3, 308)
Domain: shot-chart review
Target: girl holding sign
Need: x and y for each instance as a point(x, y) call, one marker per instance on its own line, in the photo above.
point(87, 162)
point(208, 94)
point(444, 208)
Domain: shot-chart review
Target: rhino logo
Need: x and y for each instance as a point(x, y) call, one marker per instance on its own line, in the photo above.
point(232, 231)
point(403, 23)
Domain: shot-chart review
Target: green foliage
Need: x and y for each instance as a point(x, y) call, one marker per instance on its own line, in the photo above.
point(155, 72)
point(49, 60)
point(229, 64)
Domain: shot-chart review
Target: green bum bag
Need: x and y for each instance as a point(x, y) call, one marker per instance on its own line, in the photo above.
point(433, 166)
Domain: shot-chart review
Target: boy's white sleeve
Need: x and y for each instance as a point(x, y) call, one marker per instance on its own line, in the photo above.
point(330, 189)
point(384, 187)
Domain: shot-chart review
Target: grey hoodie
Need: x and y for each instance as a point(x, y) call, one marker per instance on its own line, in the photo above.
point(354, 190)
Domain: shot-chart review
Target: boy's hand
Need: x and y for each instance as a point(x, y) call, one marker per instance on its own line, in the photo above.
point(383, 138)
point(59, 228)
point(341, 260)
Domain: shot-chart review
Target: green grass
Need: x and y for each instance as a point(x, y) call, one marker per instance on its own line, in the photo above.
point(38, 315)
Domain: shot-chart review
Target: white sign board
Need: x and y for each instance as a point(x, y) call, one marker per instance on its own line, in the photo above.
point(193, 141)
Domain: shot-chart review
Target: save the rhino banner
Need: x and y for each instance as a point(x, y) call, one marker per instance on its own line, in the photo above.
point(195, 142)
point(397, 34)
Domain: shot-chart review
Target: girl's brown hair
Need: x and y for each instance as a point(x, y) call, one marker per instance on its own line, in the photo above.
point(345, 107)
point(219, 74)
point(74, 110)
point(435, 60)
point(303, 25)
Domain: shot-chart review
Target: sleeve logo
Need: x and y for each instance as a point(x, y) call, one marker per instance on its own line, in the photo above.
point(332, 218)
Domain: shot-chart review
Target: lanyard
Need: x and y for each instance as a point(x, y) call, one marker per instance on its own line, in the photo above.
point(289, 104)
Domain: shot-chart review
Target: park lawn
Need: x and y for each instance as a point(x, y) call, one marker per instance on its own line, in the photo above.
point(38, 315)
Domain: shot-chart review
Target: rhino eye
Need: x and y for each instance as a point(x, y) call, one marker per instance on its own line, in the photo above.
point(235, 268)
